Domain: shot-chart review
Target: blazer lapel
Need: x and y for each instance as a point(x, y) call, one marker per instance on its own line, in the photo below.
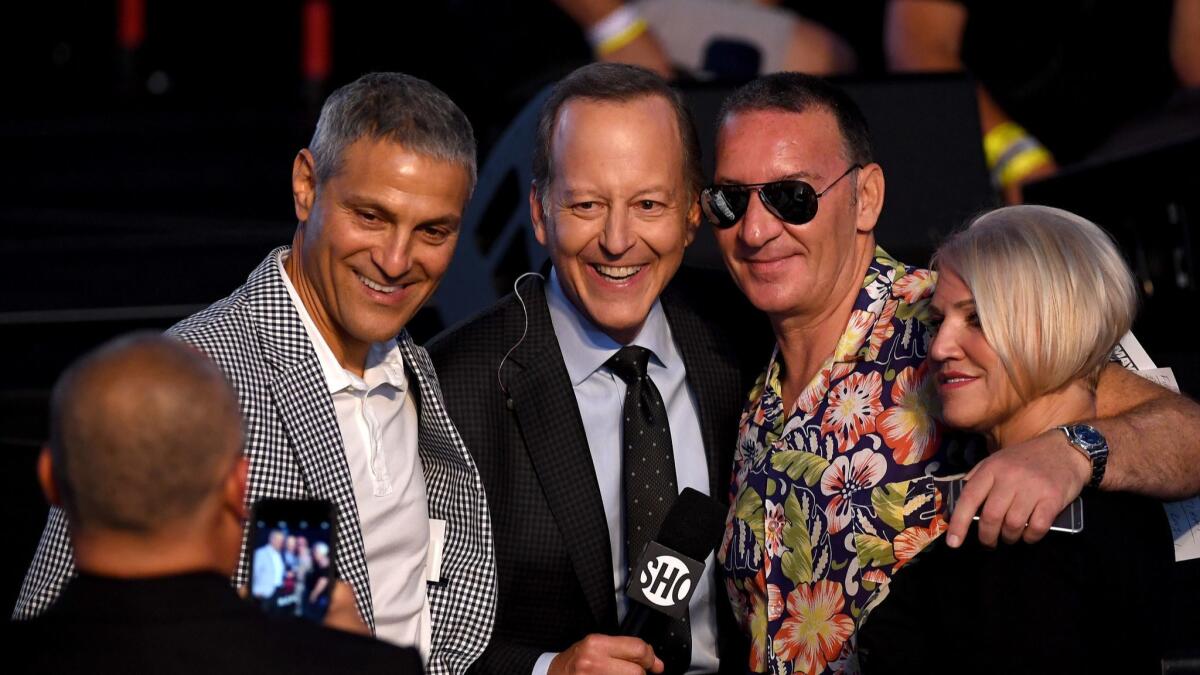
point(548, 416)
point(462, 603)
point(704, 360)
point(301, 399)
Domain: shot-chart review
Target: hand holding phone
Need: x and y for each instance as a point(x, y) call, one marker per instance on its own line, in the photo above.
point(343, 612)
point(1069, 520)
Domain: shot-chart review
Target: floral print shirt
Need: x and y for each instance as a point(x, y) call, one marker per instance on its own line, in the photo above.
point(833, 496)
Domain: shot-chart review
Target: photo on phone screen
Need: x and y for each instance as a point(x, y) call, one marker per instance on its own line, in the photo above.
point(291, 554)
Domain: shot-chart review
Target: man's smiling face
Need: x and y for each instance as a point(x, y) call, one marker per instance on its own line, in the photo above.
point(618, 212)
point(374, 241)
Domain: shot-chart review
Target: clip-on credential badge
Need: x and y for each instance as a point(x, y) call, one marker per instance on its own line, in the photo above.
point(437, 543)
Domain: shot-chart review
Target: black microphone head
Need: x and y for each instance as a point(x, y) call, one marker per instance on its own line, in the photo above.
point(694, 525)
point(666, 573)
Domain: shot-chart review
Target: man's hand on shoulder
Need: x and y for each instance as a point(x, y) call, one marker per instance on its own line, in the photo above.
point(607, 654)
point(1021, 489)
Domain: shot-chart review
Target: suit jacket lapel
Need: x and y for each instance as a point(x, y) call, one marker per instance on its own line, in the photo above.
point(462, 603)
point(301, 398)
point(702, 359)
point(548, 417)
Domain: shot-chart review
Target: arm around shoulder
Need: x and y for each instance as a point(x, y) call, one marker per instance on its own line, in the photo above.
point(1153, 436)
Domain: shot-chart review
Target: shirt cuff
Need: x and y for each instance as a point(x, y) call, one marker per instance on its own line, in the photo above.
point(542, 665)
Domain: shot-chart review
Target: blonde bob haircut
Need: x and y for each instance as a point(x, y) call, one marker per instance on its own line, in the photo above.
point(1052, 293)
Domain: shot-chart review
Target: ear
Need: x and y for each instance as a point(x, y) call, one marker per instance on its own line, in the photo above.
point(304, 184)
point(693, 221)
point(870, 196)
point(45, 472)
point(537, 215)
point(233, 492)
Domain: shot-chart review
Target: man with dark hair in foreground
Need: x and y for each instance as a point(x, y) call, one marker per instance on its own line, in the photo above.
point(145, 460)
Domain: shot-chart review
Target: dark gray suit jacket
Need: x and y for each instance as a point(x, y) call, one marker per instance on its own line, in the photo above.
point(554, 569)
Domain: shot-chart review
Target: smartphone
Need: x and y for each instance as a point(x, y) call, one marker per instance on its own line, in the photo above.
point(1069, 520)
point(290, 555)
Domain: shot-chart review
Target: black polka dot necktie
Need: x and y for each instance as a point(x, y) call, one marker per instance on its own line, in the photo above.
point(649, 485)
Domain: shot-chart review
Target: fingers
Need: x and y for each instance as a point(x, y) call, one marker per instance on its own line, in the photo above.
point(975, 491)
point(1040, 521)
point(995, 508)
point(632, 649)
point(607, 654)
point(1018, 491)
point(1016, 519)
point(343, 612)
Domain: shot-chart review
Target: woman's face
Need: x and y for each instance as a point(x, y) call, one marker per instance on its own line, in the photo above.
point(976, 391)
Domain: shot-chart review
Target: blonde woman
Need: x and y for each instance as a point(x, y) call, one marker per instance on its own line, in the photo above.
point(1029, 303)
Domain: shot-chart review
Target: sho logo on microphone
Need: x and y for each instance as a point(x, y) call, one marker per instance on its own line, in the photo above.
point(664, 579)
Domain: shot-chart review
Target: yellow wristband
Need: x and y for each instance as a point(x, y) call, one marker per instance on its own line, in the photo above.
point(616, 42)
point(1022, 164)
point(1001, 137)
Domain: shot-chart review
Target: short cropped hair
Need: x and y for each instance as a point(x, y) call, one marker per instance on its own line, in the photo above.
point(615, 83)
point(800, 93)
point(142, 431)
point(1052, 293)
point(395, 107)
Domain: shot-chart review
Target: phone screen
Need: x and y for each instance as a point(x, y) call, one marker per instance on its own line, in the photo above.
point(291, 554)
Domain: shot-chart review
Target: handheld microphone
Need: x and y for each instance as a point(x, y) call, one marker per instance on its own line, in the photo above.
point(665, 576)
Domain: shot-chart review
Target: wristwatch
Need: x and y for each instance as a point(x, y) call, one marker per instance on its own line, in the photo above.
point(1092, 444)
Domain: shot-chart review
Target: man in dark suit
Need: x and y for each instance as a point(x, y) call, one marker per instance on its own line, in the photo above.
point(537, 386)
point(145, 460)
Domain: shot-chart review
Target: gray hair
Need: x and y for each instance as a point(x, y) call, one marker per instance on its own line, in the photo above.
point(396, 107)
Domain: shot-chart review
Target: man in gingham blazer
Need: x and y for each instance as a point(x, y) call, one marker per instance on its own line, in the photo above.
point(331, 398)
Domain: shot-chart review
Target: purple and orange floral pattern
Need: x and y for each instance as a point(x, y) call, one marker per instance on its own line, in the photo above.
point(833, 496)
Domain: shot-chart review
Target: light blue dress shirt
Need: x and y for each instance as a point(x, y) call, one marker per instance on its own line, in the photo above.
point(601, 396)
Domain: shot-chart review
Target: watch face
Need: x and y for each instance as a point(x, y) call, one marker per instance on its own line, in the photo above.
point(1088, 435)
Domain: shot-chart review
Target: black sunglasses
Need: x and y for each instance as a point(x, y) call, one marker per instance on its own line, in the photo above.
point(792, 201)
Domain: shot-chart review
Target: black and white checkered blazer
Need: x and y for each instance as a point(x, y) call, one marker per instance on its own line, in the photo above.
point(295, 450)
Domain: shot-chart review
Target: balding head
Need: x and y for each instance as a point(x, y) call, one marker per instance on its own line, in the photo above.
point(143, 431)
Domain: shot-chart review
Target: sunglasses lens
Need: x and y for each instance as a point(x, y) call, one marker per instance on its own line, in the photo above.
point(724, 206)
point(794, 201)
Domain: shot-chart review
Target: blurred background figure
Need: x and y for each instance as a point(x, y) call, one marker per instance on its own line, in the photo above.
point(269, 567)
point(727, 39)
point(1060, 82)
point(317, 580)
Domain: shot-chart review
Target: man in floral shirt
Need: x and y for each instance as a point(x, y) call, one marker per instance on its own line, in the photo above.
point(833, 487)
